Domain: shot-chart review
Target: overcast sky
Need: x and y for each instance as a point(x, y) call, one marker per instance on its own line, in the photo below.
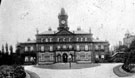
point(108, 19)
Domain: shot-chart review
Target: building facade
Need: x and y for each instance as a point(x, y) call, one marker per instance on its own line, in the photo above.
point(63, 45)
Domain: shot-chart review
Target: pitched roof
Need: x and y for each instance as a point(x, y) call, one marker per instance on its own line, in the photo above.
point(31, 41)
point(97, 40)
point(49, 32)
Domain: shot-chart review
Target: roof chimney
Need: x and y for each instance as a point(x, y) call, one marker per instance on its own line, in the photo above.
point(49, 29)
point(78, 29)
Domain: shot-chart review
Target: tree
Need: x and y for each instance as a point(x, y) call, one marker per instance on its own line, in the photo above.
point(11, 49)
point(129, 57)
point(121, 48)
point(2, 48)
point(6, 47)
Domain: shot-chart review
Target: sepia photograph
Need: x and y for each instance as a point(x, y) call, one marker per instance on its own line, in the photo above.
point(67, 38)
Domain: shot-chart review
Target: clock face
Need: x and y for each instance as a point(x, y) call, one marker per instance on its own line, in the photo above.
point(63, 21)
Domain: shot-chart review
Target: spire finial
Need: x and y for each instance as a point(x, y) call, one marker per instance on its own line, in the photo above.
point(90, 30)
point(37, 30)
point(63, 11)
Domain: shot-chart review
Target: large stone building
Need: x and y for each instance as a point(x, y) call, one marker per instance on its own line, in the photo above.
point(64, 45)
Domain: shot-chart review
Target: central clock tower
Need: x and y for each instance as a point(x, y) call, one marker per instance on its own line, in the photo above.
point(63, 20)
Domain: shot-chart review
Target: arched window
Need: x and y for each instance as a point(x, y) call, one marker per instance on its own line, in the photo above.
point(97, 56)
point(51, 48)
point(26, 48)
point(64, 47)
point(31, 48)
point(42, 48)
point(46, 40)
point(81, 39)
point(86, 47)
point(102, 56)
point(31, 59)
point(26, 59)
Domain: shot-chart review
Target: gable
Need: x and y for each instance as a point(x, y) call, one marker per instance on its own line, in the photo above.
point(64, 32)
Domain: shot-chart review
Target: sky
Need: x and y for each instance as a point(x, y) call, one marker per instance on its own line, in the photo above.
point(108, 19)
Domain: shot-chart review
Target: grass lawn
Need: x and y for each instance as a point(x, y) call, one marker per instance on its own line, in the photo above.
point(66, 66)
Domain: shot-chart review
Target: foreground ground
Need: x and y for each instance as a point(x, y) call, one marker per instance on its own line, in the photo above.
point(77, 71)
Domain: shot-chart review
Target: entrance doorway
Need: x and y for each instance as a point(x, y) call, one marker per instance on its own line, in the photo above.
point(59, 58)
point(65, 58)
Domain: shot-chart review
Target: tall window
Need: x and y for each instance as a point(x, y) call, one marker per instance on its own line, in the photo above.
point(58, 47)
point(26, 48)
point(51, 48)
point(42, 48)
point(77, 39)
point(64, 39)
point(58, 39)
point(102, 46)
point(86, 47)
point(42, 40)
point(64, 47)
point(31, 48)
point(81, 39)
point(50, 39)
point(51, 57)
point(70, 46)
point(96, 47)
point(78, 47)
point(86, 39)
point(102, 56)
point(69, 39)
point(46, 40)
point(26, 59)
point(97, 56)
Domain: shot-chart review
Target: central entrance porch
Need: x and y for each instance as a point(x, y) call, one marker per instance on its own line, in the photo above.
point(63, 57)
